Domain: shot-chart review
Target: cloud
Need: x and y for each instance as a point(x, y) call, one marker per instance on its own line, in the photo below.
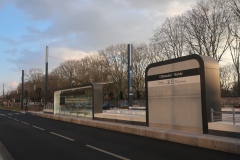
point(178, 8)
point(9, 41)
point(4, 2)
point(75, 28)
point(27, 59)
point(66, 53)
point(92, 24)
point(12, 84)
point(11, 51)
point(60, 54)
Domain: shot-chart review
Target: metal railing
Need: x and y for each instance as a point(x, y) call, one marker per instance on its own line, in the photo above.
point(226, 116)
point(48, 106)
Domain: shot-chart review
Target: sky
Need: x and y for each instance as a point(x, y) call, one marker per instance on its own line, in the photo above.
point(73, 29)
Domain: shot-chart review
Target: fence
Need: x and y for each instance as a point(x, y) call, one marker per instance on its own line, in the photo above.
point(48, 106)
point(226, 116)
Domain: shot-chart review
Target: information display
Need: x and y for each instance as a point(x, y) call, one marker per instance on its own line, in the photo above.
point(175, 78)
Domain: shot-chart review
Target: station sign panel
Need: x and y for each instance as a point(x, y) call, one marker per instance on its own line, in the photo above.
point(181, 92)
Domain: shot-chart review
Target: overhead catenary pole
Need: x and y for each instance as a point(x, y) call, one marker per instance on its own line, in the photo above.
point(130, 88)
point(238, 74)
point(22, 97)
point(3, 91)
point(46, 77)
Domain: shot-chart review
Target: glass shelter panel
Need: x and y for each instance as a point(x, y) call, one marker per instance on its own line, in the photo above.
point(76, 102)
point(57, 102)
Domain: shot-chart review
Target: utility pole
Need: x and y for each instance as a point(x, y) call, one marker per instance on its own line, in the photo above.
point(130, 88)
point(46, 77)
point(238, 75)
point(238, 88)
point(22, 97)
point(3, 91)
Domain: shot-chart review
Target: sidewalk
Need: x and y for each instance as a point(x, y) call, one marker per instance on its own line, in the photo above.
point(225, 144)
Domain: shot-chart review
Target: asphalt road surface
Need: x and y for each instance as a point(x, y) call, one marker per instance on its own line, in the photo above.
point(28, 137)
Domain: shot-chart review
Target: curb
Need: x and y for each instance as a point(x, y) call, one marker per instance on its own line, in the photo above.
point(4, 154)
point(225, 144)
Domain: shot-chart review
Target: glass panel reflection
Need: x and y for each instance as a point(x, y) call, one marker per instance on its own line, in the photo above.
point(76, 102)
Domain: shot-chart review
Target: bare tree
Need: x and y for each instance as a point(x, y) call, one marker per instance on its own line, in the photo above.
point(234, 42)
point(35, 79)
point(140, 62)
point(35, 74)
point(155, 53)
point(116, 59)
point(68, 68)
point(96, 68)
point(206, 28)
point(227, 79)
point(170, 38)
point(235, 6)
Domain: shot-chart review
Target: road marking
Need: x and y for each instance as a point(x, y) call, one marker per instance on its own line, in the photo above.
point(39, 128)
point(17, 113)
point(25, 123)
point(10, 114)
point(112, 154)
point(62, 136)
point(2, 114)
point(15, 119)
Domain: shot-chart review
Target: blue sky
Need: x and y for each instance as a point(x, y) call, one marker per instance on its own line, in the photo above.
point(14, 27)
point(73, 29)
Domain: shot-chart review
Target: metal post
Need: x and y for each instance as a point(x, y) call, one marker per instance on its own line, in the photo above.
point(22, 97)
point(3, 91)
point(233, 116)
point(130, 89)
point(212, 119)
point(46, 78)
point(238, 88)
point(238, 79)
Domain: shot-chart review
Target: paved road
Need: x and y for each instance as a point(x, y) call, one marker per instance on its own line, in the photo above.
point(28, 137)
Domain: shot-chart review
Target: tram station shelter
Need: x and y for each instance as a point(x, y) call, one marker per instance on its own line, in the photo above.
point(83, 100)
point(182, 92)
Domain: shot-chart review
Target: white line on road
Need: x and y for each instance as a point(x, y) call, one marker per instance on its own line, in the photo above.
point(15, 119)
point(39, 128)
point(62, 136)
point(2, 114)
point(112, 154)
point(25, 123)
